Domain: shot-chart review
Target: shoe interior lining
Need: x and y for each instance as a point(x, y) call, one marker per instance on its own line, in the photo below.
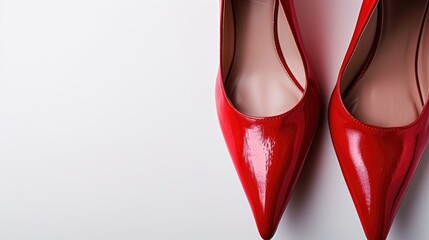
point(386, 83)
point(258, 83)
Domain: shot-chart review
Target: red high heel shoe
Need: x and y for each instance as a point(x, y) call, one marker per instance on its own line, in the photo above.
point(267, 102)
point(378, 112)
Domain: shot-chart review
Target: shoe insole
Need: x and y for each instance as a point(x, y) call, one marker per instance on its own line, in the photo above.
point(258, 84)
point(393, 89)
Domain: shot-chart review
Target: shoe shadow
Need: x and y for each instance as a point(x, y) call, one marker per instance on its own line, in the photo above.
point(326, 37)
point(317, 48)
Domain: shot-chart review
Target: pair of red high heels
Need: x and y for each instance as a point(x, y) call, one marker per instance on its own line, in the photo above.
point(268, 105)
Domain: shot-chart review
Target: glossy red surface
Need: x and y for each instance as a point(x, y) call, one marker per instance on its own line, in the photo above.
point(268, 153)
point(377, 162)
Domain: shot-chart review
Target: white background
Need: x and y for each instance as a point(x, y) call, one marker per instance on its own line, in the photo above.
point(108, 127)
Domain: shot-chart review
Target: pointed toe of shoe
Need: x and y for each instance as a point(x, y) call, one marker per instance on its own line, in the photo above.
point(376, 182)
point(266, 233)
point(268, 158)
point(374, 231)
point(268, 183)
point(377, 164)
point(269, 153)
point(267, 227)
